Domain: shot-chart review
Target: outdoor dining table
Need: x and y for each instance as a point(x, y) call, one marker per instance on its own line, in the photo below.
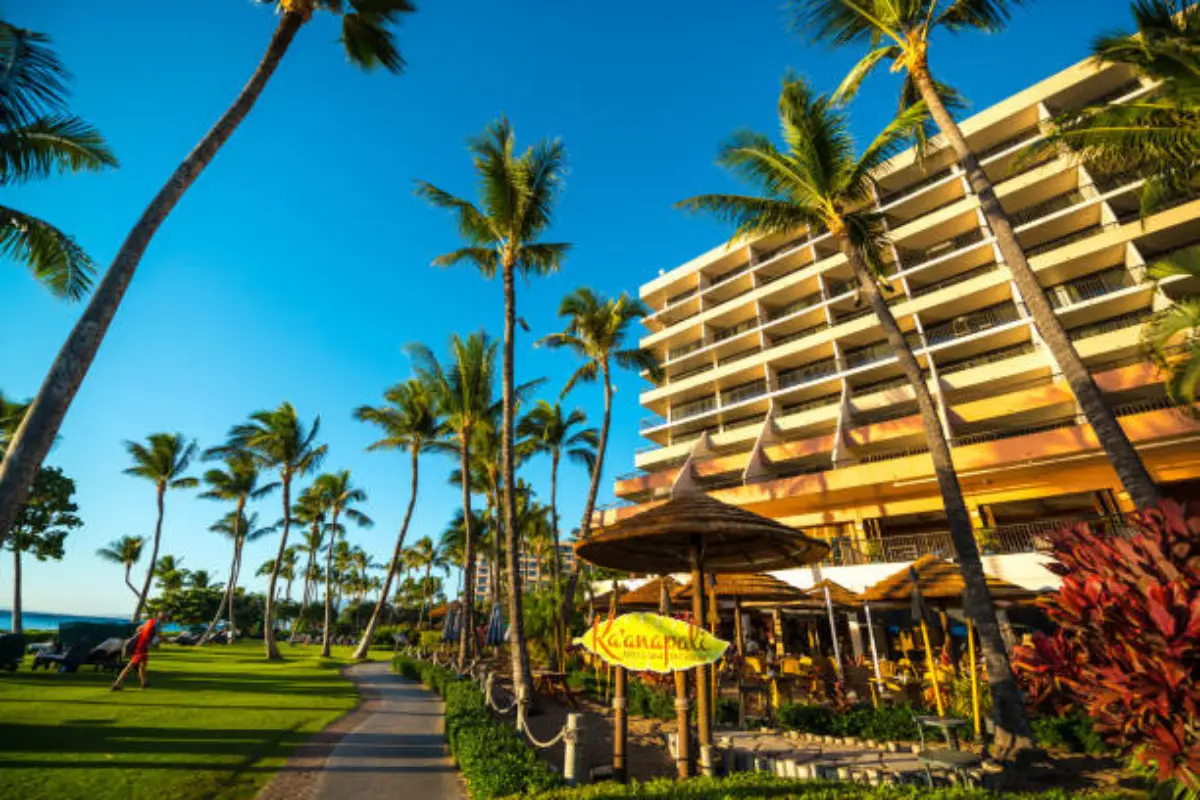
point(948, 726)
point(554, 684)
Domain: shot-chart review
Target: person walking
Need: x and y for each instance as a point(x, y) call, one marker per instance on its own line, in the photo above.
point(141, 651)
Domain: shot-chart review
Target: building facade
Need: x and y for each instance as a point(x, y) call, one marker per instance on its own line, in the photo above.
point(535, 572)
point(782, 396)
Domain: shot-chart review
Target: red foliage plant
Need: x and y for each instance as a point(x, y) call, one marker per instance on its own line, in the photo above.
point(1127, 645)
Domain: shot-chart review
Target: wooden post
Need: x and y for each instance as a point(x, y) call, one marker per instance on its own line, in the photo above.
point(571, 750)
point(974, 678)
point(620, 727)
point(682, 733)
point(703, 710)
point(937, 692)
point(738, 634)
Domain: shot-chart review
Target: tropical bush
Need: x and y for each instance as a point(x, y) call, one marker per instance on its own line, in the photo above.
point(495, 761)
point(1073, 731)
point(896, 723)
point(1127, 648)
point(430, 639)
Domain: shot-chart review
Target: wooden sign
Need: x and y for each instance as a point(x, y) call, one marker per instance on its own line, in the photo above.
point(652, 643)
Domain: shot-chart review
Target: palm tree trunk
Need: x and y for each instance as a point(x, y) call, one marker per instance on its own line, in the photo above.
point(585, 525)
point(129, 583)
point(516, 622)
point(1012, 726)
point(137, 612)
point(1120, 451)
point(555, 564)
point(45, 414)
point(424, 597)
point(269, 612)
point(17, 626)
point(466, 638)
point(233, 581)
point(306, 595)
point(373, 622)
point(228, 596)
point(327, 634)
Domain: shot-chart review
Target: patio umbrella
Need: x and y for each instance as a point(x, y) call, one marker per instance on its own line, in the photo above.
point(920, 616)
point(495, 628)
point(648, 596)
point(754, 588)
point(695, 533)
point(449, 633)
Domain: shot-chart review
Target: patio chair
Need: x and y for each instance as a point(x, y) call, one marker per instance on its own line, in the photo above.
point(12, 650)
point(949, 758)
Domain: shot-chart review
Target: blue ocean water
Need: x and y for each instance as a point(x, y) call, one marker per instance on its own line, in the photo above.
point(32, 620)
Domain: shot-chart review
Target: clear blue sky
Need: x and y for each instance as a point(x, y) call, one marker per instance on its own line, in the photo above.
point(298, 266)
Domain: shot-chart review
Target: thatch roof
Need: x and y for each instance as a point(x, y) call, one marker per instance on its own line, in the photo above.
point(731, 539)
point(838, 594)
point(938, 580)
point(748, 587)
point(647, 595)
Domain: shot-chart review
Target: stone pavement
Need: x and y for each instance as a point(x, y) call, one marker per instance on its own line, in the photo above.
point(399, 750)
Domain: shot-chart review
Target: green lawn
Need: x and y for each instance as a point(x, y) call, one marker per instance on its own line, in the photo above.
point(216, 722)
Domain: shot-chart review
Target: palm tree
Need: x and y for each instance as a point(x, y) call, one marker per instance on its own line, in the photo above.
point(463, 395)
point(1172, 336)
point(367, 39)
point(11, 414)
point(410, 421)
point(546, 430)
point(597, 330)
point(238, 483)
point(310, 512)
point(287, 570)
point(341, 495)
point(239, 528)
point(900, 32)
point(816, 183)
point(124, 551)
point(278, 439)
point(424, 555)
point(170, 574)
point(38, 138)
point(518, 194)
point(163, 460)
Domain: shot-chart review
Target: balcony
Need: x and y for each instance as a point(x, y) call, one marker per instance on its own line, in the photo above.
point(1063, 241)
point(809, 405)
point(910, 547)
point(729, 359)
point(991, 357)
point(794, 307)
point(734, 330)
point(676, 353)
point(868, 355)
point(1130, 320)
point(880, 386)
point(786, 247)
point(800, 334)
point(996, 434)
point(890, 198)
point(807, 374)
point(1021, 138)
point(728, 276)
point(891, 455)
point(746, 391)
point(953, 280)
point(693, 409)
point(1044, 209)
point(911, 259)
point(1089, 287)
point(969, 324)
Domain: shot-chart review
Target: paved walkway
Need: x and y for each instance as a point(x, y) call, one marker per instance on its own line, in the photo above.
point(399, 749)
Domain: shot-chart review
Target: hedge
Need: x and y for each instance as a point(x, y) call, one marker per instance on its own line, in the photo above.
point(757, 786)
point(495, 761)
point(886, 724)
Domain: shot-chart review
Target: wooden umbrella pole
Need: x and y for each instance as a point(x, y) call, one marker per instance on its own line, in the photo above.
point(682, 745)
point(620, 718)
point(737, 625)
point(937, 692)
point(703, 712)
point(877, 686)
point(974, 678)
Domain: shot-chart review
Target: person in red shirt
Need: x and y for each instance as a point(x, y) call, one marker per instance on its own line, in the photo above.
point(141, 651)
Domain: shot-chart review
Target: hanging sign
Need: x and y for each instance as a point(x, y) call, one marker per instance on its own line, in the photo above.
point(651, 642)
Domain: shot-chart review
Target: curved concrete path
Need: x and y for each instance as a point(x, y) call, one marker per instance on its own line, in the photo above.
point(399, 750)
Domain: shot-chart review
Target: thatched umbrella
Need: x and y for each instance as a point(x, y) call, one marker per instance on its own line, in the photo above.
point(649, 596)
point(694, 533)
point(754, 587)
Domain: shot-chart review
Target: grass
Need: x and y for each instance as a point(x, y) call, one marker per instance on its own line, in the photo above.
point(217, 722)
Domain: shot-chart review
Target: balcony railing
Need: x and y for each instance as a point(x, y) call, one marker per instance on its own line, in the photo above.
point(734, 330)
point(800, 334)
point(969, 324)
point(1022, 137)
point(794, 307)
point(786, 247)
point(997, 434)
point(1130, 320)
point(689, 373)
point(728, 276)
point(729, 359)
point(679, 298)
point(746, 391)
point(1089, 287)
point(808, 405)
point(880, 386)
point(890, 455)
point(929, 180)
point(911, 546)
point(693, 409)
point(684, 349)
point(1063, 241)
point(961, 277)
point(651, 422)
point(807, 374)
point(991, 357)
point(1046, 208)
point(910, 259)
point(868, 355)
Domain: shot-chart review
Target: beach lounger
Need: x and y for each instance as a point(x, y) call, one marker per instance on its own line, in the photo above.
point(12, 650)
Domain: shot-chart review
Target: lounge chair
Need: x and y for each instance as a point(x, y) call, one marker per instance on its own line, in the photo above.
point(12, 650)
point(77, 643)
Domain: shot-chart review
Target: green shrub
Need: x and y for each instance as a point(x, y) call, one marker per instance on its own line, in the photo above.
point(757, 786)
point(430, 640)
point(893, 724)
point(1073, 732)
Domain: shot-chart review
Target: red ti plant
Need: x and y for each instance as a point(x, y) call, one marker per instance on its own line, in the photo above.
point(1127, 648)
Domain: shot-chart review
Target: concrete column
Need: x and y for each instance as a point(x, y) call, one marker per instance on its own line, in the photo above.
point(856, 636)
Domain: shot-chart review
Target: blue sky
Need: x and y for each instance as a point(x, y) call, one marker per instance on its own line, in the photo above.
point(298, 265)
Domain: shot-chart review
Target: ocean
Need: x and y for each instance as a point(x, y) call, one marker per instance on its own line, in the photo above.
point(33, 620)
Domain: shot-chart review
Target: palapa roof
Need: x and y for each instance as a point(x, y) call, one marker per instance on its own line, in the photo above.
point(840, 595)
point(731, 540)
point(937, 580)
point(755, 586)
point(647, 595)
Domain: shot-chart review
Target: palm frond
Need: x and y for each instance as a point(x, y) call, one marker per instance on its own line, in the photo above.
point(473, 225)
point(33, 80)
point(485, 259)
point(366, 36)
point(51, 144)
point(56, 259)
point(543, 258)
point(1184, 262)
point(989, 16)
point(848, 89)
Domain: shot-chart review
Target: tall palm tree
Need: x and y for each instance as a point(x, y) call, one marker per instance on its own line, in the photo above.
point(38, 138)
point(278, 439)
point(518, 194)
point(597, 331)
point(239, 528)
point(124, 551)
point(1172, 336)
point(367, 39)
point(424, 555)
point(452, 544)
point(310, 512)
point(287, 570)
point(900, 32)
point(342, 495)
point(239, 483)
point(170, 574)
point(545, 429)
point(816, 182)
point(410, 421)
point(463, 393)
point(163, 460)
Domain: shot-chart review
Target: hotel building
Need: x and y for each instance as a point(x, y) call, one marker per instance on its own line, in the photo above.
point(535, 572)
point(781, 395)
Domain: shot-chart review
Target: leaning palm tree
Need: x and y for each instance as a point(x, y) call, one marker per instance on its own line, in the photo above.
point(900, 32)
point(425, 556)
point(239, 528)
point(518, 193)
point(342, 495)
point(163, 460)
point(367, 39)
point(309, 512)
point(239, 483)
point(597, 330)
point(39, 137)
point(124, 551)
point(1172, 336)
point(410, 421)
point(278, 439)
point(816, 182)
point(463, 393)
